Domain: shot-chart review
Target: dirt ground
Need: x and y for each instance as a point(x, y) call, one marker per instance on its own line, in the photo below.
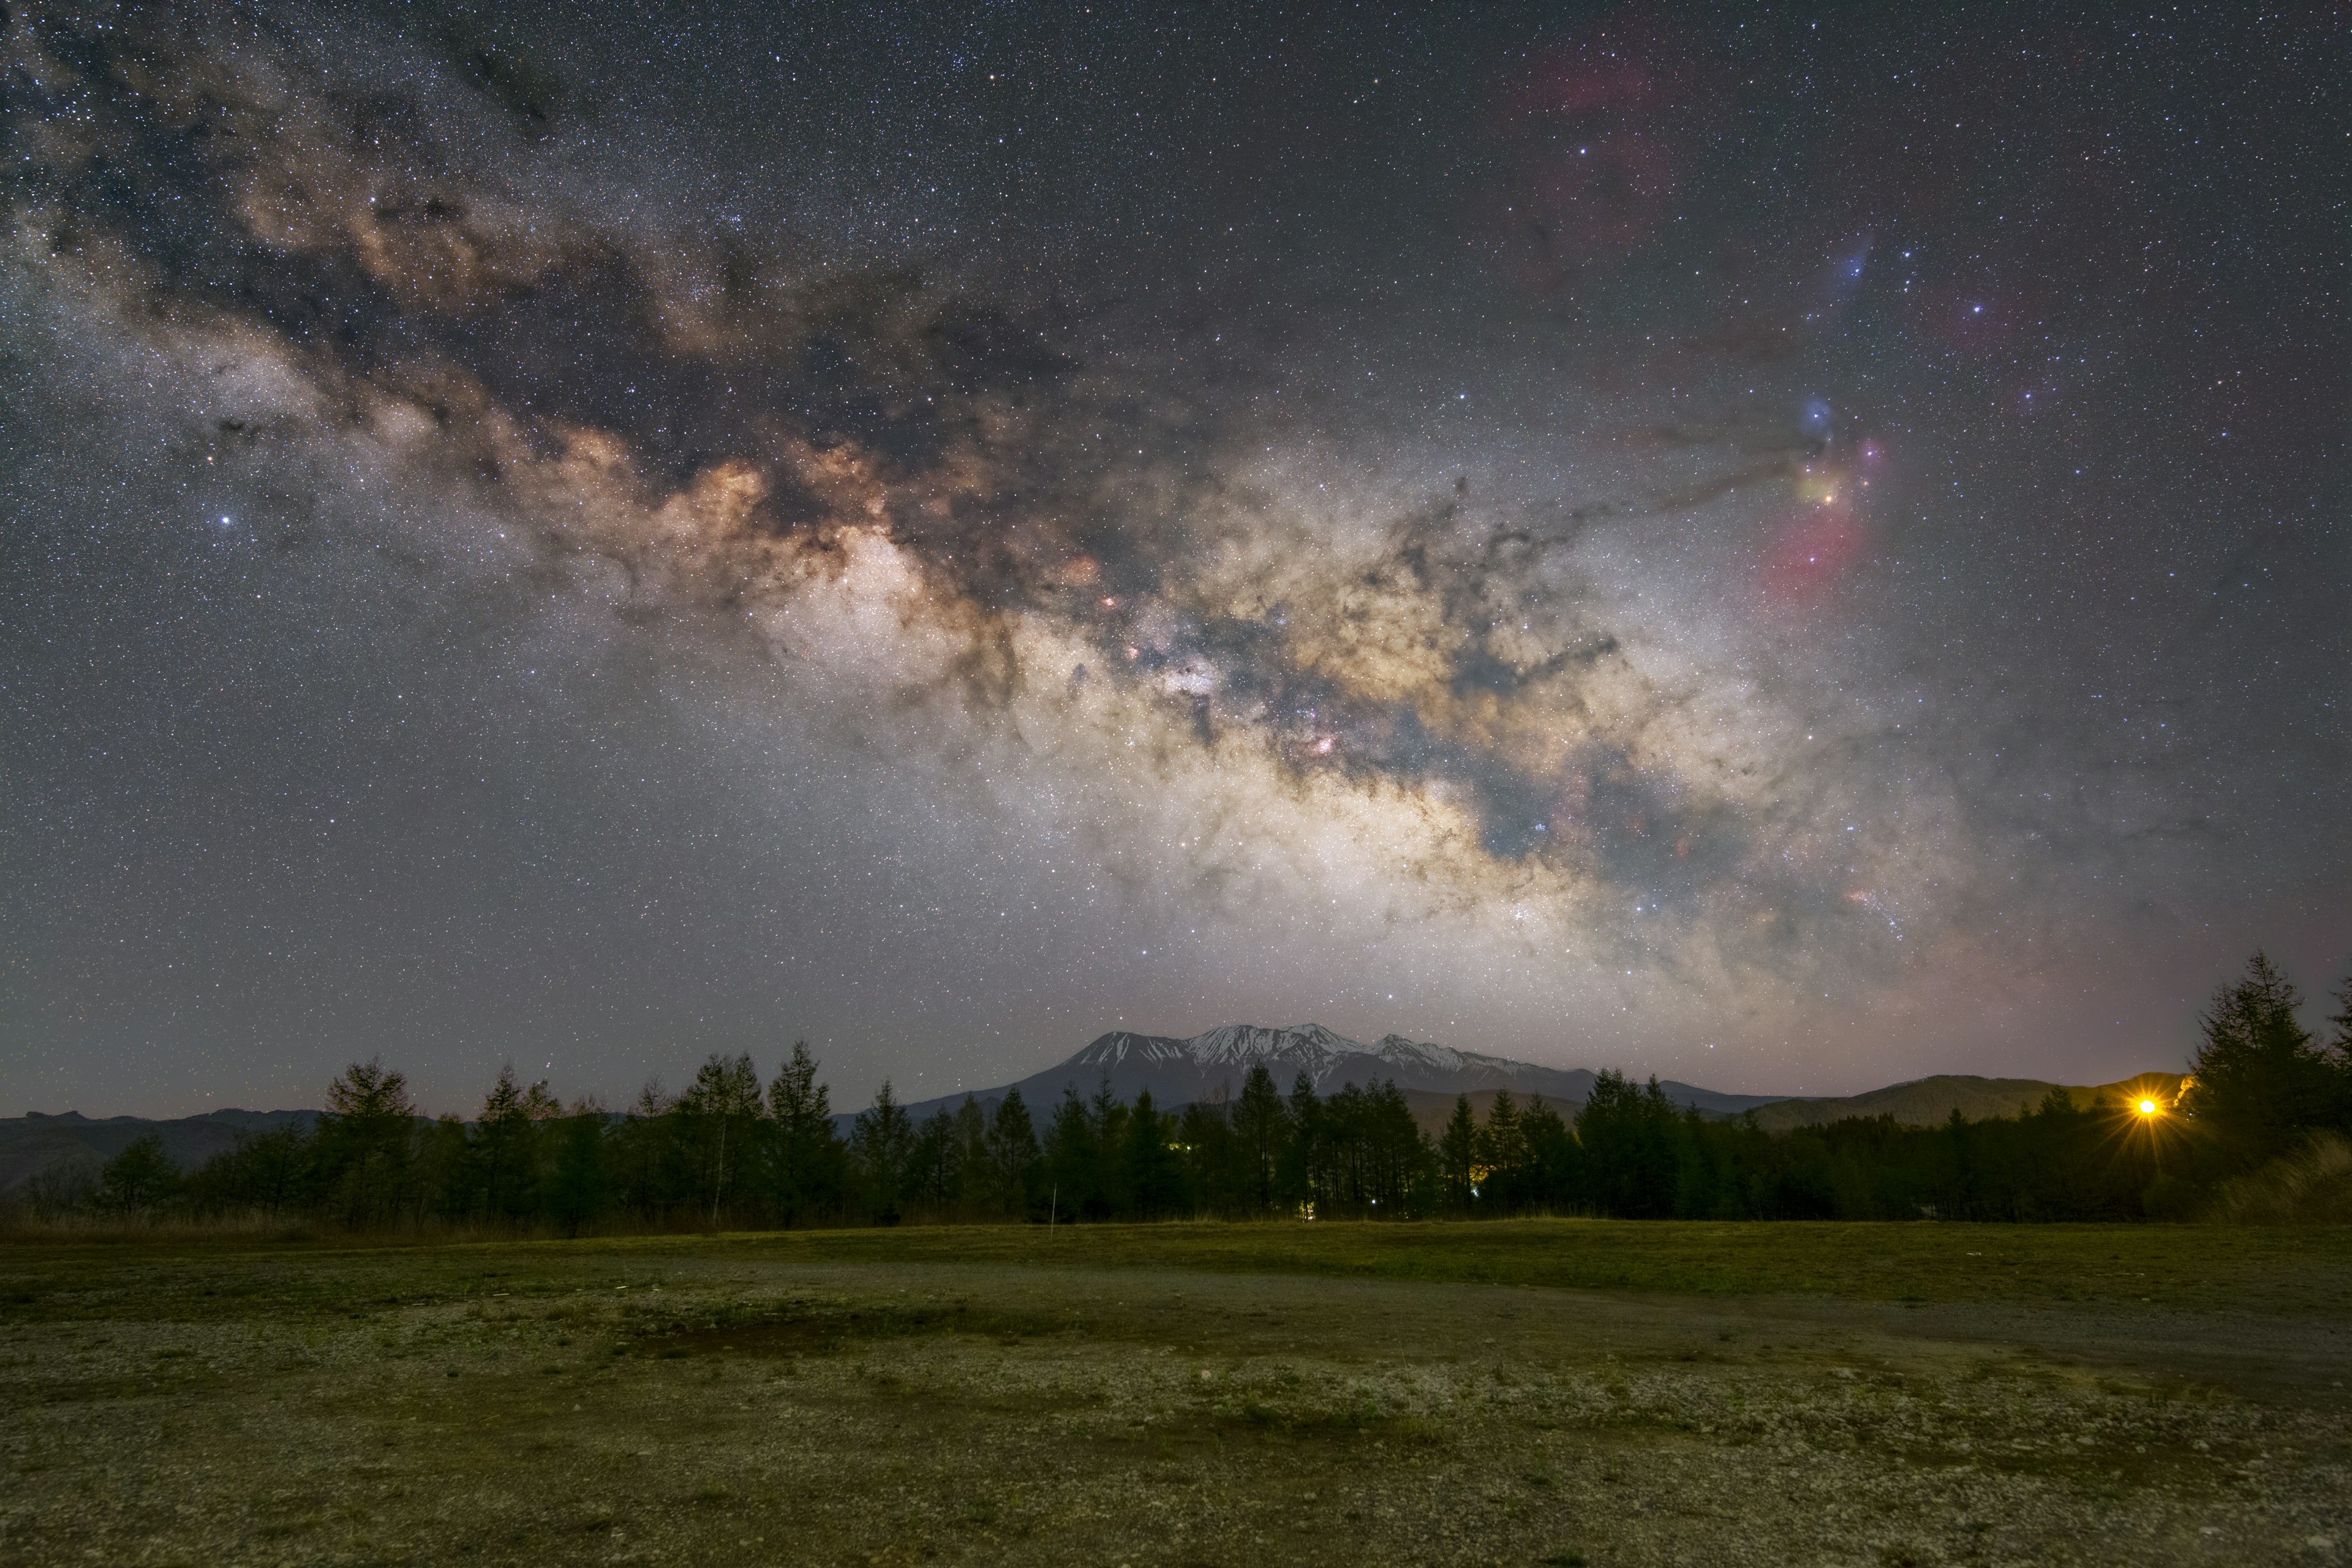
point(701, 1401)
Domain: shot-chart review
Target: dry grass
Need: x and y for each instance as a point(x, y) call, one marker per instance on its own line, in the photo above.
point(24, 1224)
point(866, 1397)
point(2199, 1267)
point(2311, 1186)
point(2219, 1267)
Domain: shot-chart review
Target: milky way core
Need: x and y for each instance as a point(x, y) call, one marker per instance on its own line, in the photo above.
point(1787, 554)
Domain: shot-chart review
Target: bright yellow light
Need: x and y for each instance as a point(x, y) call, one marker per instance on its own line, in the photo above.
point(2147, 1108)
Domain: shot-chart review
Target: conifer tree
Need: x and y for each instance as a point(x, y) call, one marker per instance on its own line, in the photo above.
point(1302, 1155)
point(805, 1153)
point(1503, 1152)
point(1153, 1186)
point(504, 1141)
point(1342, 1163)
point(932, 1182)
point(1261, 1130)
point(1214, 1178)
point(2259, 1081)
point(1073, 1160)
point(1012, 1156)
point(2339, 1056)
point(975, 1188)
point(578, 1183)
point(881, 1144)
point(1630, 1138)
point(442, 1176)
point(367, 1139)
point(721, 1110)
point(1457, 1155)
point(651, 1168)
point(1398, 1157)
point(1108, 1118)
point(1555, 1159)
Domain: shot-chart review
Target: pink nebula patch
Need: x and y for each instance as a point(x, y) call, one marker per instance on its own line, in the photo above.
point(1811, 551)
point(1593, 137)
point(1572, 78)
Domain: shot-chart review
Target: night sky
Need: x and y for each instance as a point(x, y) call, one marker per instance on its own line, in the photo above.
point(1789, 551)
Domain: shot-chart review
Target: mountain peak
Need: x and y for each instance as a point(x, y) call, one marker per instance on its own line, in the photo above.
point(1327, 1058)
point(1212, 1066)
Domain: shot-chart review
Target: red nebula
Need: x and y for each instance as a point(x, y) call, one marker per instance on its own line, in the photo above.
point(1578, 80)
point(1811, 550)
point(1594, 137)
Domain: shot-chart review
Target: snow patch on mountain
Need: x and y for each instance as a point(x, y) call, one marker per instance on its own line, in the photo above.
point(1212, 1066)
point(1324, 1055)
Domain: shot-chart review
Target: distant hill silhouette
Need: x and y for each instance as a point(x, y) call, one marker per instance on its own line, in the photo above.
point(1923, 1103)
point(34, 1142)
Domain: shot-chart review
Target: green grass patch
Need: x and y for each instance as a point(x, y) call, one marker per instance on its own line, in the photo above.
point(2289, 1272)
point(2295, 1272)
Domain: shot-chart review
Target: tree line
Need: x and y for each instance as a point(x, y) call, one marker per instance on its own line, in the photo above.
point(730, 1151)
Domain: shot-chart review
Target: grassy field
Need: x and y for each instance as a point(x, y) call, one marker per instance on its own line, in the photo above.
point(1537, 1392)
point(2268, 1270)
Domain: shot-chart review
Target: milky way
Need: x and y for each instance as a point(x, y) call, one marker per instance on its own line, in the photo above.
point(1786, 554)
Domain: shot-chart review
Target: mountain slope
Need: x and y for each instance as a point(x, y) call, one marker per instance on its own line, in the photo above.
point(34, 1142)
point(1925, 1102)
point(1212, 1066)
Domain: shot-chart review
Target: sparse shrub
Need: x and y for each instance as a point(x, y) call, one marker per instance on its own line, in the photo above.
point(2311, 1186)
point(60, 1189)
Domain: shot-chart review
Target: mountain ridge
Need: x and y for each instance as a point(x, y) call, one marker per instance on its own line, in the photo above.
point(1926, 1102)
point(37, 1141)
point(1213, 1064)
point(1177, 1071)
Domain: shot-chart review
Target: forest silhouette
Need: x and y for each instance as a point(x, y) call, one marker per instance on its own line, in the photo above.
point(2266, 1100)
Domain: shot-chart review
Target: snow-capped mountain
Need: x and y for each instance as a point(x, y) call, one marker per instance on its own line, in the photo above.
point(1212, 1066)
point(1328, 1059)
